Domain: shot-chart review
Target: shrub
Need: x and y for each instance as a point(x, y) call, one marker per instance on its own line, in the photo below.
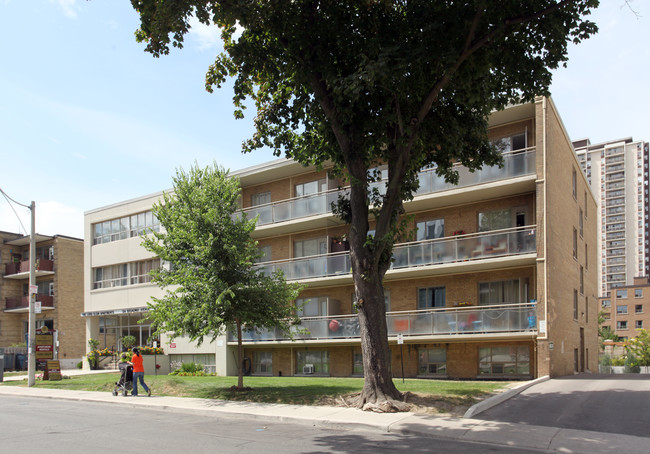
point(80, 365)
point(618, 361)
point(190, 369)
point(605, 360)
point(632, 364)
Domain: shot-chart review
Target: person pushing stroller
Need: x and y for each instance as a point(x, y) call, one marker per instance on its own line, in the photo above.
point(138, 372)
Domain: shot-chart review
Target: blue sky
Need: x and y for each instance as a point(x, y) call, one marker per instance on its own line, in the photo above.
point(87, 118)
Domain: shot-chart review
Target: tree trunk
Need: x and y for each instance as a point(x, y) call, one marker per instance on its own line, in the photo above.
point(378, 388)
point(240, 357)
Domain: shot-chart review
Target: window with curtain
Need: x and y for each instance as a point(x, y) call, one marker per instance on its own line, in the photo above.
point(499, 292)
point(428, 230)
point(494, 220)
point(431, 297)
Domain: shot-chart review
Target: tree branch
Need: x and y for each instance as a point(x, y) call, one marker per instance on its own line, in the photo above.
point(471, 47)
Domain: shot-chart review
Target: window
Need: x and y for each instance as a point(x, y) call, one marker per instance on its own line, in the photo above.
point(621, 309)
point(575, 305)
point(306, 248)
point(607, 317)
point(575, 243)
point(621, 325)
point(428, 230)
point(585, 204)
point(582, 280)
point(261, 198)
point(638, 293)
point(499, 292)
point(581, 224)
point(263, 363)
point(511, 143)
point(494, 220)
point(606, 303)
point(431, 297)
point(124, 274)
point(504, 360)
point(357, 364)
point(320, 360)
point(125, 227)
point(312, 307)
point(266, 254)
point(586, 309)
point(586, 257)
point(621, 293)
point(312, 187)
point(574, 183)
point(139, 271)
point(48, 323)
point(638, 324)
point(638, 309)
point(432, 361)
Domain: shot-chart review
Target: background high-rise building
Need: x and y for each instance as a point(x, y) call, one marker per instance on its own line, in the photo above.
point(618, 174)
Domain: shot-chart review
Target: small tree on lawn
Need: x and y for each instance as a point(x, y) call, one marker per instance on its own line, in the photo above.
point(211, 285)
point(639, 346)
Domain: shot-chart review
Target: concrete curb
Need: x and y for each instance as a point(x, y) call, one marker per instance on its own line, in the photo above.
point(496, 400)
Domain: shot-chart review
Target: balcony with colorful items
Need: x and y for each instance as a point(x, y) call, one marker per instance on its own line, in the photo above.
point(429, 324)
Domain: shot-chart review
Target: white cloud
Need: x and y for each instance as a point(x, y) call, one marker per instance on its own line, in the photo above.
point(54, 218)
point(207, 37)
point(69, 7)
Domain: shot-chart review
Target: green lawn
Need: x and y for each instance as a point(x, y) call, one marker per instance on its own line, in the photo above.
point(440, 395)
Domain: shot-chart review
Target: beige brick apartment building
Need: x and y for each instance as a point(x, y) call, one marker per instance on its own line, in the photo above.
point(501, 280)
point(627, 309)
point(59, 277)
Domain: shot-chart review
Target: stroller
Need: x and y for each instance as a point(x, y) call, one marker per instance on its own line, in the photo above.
point(125, 384)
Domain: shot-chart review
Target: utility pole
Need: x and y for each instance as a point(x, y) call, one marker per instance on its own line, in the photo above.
point(32, 299)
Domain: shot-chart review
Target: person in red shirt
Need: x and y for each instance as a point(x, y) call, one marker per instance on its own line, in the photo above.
point(138, 373)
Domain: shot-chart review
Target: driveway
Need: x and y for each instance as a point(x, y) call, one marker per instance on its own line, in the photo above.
point(602, 403)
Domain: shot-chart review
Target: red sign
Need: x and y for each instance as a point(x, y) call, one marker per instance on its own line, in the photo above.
point(172, 345)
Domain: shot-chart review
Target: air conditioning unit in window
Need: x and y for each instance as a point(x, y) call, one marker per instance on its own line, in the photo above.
point(308, 369)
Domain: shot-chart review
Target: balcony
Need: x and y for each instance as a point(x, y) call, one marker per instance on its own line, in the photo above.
point(21, 304)
point(516, 164)
point(490, 321)
point(443, 251)
point(20, 270)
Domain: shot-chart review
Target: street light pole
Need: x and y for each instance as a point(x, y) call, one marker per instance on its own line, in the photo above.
point(32, 299)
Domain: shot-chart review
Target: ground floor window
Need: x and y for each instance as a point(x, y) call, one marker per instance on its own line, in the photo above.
point(504, 360)
point(313, 362)
point(432, 361)
point(357, 364)
point(263, 363)
point(207, 360)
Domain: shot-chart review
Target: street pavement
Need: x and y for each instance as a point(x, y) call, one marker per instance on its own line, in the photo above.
point(546, 439)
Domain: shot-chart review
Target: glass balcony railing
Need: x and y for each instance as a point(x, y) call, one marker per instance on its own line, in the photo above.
point(504, 318)
point(476, 246)
point(519, 163)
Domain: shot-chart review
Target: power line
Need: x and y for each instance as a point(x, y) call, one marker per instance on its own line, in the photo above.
point(9, 200)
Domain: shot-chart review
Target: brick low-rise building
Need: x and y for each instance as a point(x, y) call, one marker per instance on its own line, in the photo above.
point(59, 278)
point(627, 309)
point(501, 280)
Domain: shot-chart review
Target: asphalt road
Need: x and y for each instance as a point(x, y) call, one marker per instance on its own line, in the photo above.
point(75, 427)
point(602, 403)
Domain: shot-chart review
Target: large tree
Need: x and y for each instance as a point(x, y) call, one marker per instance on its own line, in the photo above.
point(359, 83)
point(210, 281)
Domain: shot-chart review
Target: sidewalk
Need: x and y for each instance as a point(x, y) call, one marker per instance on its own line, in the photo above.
point(550, 439)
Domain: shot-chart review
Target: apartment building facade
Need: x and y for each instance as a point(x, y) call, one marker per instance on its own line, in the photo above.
point(59, 271)
point(617, 171)
point(627, 308)
point(500, 280)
